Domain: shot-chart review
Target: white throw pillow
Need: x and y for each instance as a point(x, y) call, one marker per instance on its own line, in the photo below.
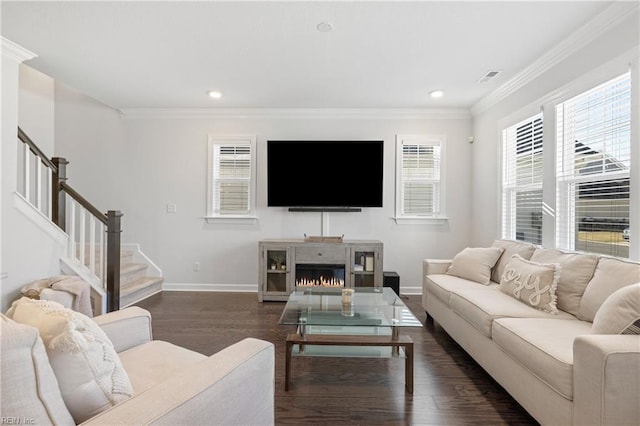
point(620, 312)
point(84, 361)
point(475, 263)
point(532, 283)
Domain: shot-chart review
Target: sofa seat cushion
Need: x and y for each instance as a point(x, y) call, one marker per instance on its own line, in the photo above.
point(480, 307)
point(543, 346)
point(156, 361)
point(441, 286)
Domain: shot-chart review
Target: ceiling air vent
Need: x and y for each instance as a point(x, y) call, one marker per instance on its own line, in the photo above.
point(489, 75)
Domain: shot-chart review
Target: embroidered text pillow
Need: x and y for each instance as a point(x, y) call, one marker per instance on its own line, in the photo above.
point(532, 283)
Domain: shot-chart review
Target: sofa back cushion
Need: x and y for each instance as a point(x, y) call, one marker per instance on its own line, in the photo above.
point(87, 367)
point(577, 271)
point(611, 274)
point(29, 388)
point(475, 263)
point(524, 250)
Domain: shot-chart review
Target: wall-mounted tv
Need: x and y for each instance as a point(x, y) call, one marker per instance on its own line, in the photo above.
point(324, 175)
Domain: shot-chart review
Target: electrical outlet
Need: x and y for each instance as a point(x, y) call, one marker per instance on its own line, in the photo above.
point(172, 208)
point(196, 266)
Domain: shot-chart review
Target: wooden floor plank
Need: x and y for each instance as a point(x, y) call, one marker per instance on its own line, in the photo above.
point(449, 387)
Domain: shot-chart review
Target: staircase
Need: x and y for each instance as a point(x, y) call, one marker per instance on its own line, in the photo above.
point(120, 274)
point(137, 279)
point(139, 276)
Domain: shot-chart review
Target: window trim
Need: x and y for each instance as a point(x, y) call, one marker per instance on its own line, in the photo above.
point(426, 139)
point(211, 216)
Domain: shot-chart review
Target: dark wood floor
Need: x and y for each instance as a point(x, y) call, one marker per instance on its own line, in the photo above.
point(450, 388)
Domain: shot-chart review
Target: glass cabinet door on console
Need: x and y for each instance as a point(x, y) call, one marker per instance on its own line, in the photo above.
point(366, 266)
point(275, 273)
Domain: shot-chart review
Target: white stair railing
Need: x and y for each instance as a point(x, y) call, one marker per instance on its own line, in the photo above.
point(34, 174)
point(87, 242)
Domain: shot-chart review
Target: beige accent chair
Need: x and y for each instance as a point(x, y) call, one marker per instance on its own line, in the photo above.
point(171, 384)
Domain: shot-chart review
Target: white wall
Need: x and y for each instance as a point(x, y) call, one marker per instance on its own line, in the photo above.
point(590, 63)
point(28, 251)
point(164, 160)
point(36, 108)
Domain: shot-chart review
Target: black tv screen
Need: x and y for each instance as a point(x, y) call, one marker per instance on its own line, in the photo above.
point(324, 174)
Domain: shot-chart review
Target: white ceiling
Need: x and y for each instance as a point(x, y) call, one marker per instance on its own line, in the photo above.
point(267, 54)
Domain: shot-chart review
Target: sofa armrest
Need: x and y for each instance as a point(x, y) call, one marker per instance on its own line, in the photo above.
point(126, 328)
point(606, 371)
point(232, 387)
point(435, 266)
point(432, 266)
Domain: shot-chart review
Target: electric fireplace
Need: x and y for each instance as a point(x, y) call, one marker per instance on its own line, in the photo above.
point(319, 275)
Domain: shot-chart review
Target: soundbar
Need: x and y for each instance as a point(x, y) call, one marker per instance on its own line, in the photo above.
point(325, 209)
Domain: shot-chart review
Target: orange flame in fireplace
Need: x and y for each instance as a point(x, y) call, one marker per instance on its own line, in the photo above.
point(320, 282)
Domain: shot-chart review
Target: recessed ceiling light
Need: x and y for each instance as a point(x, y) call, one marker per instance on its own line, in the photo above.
point(214, 94)
point(324, 27)
point(436, 93)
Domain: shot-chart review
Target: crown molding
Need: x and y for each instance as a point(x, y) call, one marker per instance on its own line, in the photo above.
point(295, 113)
point(14, 51)
point(584, 35)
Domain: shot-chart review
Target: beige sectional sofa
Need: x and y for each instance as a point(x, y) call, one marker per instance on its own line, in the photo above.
point(77, 375)
point(568, 356)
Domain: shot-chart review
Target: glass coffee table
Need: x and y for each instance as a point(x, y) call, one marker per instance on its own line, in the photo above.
point(369, 326)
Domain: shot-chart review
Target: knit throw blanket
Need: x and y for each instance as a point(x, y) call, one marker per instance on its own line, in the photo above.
point(74, 285)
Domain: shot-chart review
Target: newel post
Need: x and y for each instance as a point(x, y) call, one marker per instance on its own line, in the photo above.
point(113, 260)
point(58, 204)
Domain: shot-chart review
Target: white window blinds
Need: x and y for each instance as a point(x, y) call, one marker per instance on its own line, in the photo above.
point(231, 178)
point(522, 181)
point(420, 178)
point(593, 161)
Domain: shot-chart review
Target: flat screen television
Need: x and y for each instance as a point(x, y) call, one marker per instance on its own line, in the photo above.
point(324, 175)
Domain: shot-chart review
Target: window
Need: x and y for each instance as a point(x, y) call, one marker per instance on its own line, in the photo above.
point(593, 163)
point(419, 179)
point(522, 181)
point(231, 177)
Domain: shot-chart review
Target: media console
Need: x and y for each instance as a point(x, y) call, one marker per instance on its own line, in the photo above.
point(285, 265)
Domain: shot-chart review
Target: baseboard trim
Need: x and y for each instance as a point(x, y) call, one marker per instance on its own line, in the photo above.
point(238, 288)
point(411, 290)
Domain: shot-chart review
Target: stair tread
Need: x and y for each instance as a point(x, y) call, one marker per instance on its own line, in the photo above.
point(139, 284)
point(132, 267)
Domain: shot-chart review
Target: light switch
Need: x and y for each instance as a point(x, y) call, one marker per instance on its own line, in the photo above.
point(171, 208)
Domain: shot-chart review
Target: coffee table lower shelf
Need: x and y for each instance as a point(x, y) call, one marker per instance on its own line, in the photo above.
point(351, 340)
